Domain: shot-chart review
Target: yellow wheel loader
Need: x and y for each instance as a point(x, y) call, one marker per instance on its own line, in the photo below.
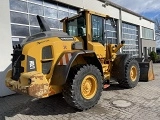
point(76, 62)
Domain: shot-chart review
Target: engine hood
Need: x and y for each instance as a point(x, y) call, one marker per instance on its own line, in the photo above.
point(46, 34)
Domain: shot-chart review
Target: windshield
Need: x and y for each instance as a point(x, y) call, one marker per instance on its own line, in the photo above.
point(76, 27)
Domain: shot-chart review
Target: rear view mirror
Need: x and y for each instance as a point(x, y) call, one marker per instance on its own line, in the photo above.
point(113, 22)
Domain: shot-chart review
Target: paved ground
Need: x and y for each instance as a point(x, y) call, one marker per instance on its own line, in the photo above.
point(145, 99)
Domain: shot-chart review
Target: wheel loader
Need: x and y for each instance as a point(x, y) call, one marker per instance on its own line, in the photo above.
point(76, 62)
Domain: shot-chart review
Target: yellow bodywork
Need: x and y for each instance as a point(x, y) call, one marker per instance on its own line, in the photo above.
point(41, 85)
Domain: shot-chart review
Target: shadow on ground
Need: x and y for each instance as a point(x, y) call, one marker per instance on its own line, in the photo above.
point(114, 86)
point(53, 105)
point(26, 105)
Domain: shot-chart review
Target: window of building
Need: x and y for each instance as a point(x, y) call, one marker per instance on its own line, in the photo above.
point(130, 36)
point(23, 16)
point(18, 5)
point(19, 18)
point(153, 49)
point(19, 30)
point(147, 33)
point(149, 50)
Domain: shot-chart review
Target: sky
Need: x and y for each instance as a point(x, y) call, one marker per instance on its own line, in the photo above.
point(147, 8)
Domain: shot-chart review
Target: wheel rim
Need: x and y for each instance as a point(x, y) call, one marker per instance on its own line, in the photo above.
point(89, 87)
point(133, 73)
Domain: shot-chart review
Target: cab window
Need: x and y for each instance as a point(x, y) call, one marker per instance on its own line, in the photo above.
point(97, 29)
point(76, 27)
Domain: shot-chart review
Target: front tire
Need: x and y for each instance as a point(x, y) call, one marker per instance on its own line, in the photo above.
point(83, 87)
point(132, 74)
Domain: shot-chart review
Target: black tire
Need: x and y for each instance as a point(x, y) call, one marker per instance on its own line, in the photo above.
point(127, 82)
point(72, 89)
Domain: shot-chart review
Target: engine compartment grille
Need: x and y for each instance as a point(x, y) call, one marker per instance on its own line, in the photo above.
point(16, 62)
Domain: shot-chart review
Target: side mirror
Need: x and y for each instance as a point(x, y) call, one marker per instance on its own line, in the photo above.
point(113, 22)
point(81, 31)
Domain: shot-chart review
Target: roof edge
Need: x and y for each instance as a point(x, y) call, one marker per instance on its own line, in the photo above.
point(125, 9)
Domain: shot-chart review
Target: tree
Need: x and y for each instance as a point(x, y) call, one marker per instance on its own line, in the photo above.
point(157, 30)
point(157, 27)
point(153, 56)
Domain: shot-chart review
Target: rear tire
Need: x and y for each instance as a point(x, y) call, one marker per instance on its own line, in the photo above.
point(83, 87)
point(132, 74)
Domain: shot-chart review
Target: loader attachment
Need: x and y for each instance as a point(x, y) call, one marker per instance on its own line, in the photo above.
point(146, 69)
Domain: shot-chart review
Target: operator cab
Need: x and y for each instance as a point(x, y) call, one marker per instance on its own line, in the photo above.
point(76, 26)
point(88, 25)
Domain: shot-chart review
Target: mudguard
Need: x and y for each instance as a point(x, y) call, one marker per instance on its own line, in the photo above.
point(118, 68)
point(62, 68)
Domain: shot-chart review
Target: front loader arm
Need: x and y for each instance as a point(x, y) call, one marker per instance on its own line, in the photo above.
point(111, 50)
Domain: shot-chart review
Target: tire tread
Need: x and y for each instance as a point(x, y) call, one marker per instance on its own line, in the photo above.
point(68, 90)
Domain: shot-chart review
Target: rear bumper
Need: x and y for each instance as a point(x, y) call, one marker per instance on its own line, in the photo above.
point(32, 83)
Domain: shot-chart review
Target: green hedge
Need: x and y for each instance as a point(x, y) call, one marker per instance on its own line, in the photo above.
point(153, 56)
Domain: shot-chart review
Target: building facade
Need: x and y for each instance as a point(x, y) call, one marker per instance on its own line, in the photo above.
point(18, 20)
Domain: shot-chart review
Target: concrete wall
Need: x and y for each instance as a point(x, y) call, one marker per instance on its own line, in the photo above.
point(97, 6)
point(94, 5)
point(148, 43)
point(136, 20)
point(76, 3)
point(5, 45)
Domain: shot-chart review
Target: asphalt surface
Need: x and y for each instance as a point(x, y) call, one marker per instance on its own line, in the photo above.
point(139, 103)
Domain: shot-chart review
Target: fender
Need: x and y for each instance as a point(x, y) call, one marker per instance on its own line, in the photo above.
point(61, 72)
point(118, 68)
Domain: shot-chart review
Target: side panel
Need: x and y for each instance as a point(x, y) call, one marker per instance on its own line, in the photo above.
point(61, 70)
